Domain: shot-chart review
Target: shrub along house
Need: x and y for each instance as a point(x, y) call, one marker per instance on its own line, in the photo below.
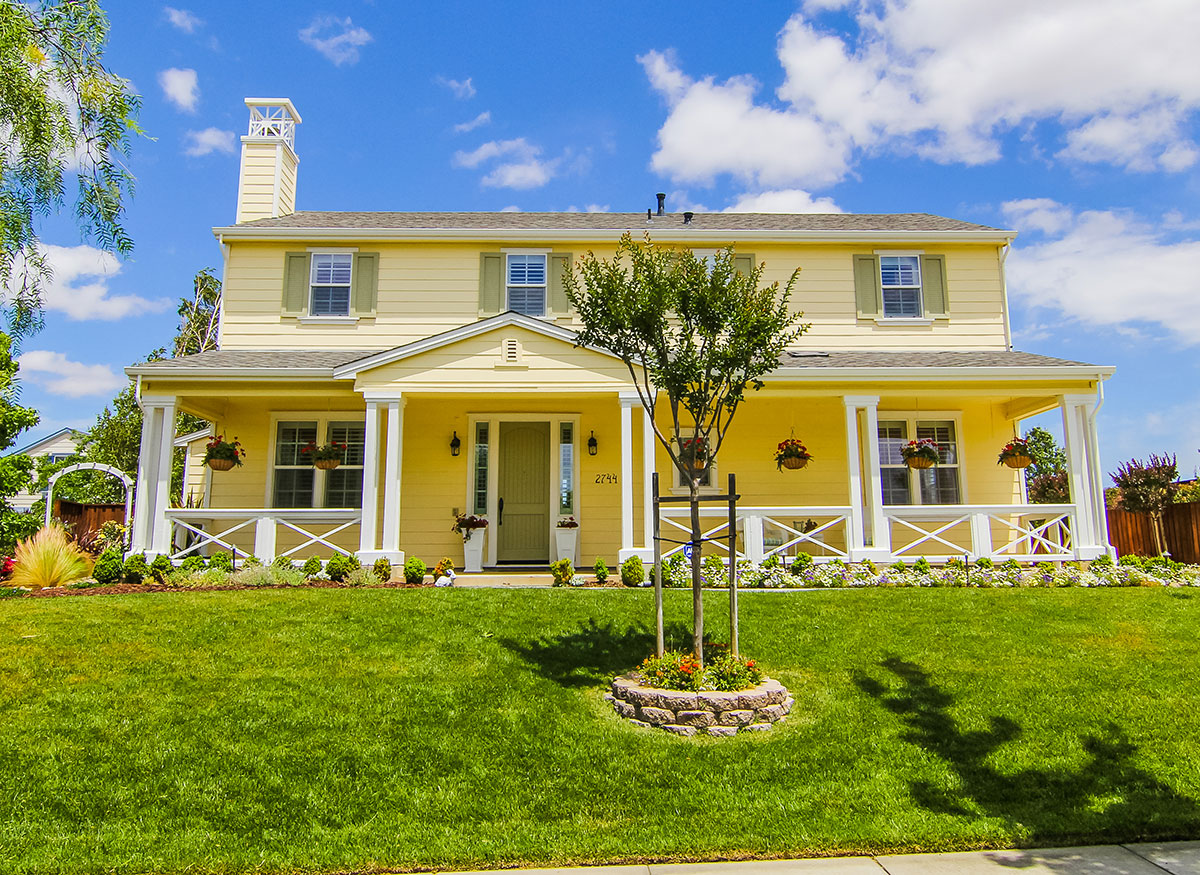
point(439, 347)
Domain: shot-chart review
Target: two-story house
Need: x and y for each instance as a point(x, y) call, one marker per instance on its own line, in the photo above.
point(440, 348)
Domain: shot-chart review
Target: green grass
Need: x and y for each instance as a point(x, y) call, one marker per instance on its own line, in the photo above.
point(336, 730)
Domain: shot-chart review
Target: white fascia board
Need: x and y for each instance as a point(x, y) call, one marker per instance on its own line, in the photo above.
point(184, 439)
point(975, 374)
point(231, 373)
point(274, 101)
point(661, 235)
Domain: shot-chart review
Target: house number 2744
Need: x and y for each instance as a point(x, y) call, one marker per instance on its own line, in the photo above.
point(606, 478)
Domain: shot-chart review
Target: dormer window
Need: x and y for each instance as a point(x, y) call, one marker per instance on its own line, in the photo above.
point(527, 284)
point(330, 284)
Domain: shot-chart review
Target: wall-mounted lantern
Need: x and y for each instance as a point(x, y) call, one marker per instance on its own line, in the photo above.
point(592, 445)
point(455, 444)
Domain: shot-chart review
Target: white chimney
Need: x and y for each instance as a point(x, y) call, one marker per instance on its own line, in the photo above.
point(267, 179)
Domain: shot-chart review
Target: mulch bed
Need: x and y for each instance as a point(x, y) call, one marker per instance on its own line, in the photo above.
point(127, 588)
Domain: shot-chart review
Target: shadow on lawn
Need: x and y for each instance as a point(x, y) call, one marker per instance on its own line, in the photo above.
point(1107, 798)
point(592, 654)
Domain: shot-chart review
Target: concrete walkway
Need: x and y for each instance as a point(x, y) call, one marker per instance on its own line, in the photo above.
point(1176, 858)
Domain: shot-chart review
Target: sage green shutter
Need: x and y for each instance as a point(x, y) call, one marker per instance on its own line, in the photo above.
point(866, 285)
point(366, 284)
point(491, 282)
point(744, 263)
point(560, 263)
point(295, 283)
point(933, 285)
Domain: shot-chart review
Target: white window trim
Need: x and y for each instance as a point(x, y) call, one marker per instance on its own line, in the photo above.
point(327, 320)
point(350, 316)
point(679, 488)
point(908, 321)
point(322, 420)
point(545, 314)
point(493, 482)
point(911, 417)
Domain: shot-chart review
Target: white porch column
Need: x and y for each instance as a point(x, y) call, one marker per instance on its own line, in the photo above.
point(1079, 474)
point(391, 480)
point(854, 470)
point(869, 516)
point(649, 445)
point(627, 400)
point(139, 539)
point(881, 532)
point(160, 538)
point(368, 538)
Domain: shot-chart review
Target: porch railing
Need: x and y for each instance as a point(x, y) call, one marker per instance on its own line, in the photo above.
point(764, 531)
point(193, 530)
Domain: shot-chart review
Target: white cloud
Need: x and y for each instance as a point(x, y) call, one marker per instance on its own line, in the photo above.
point(1105, 268)
point(520, 164)
point(943, 79)
point(57, 374)
point(462, 88)
point(209, 140)
point(182, 19)
point(181, 87)
point(513, 208)
point(335, 38)
point(479, 121)
point(788, 200)
point(79, 287)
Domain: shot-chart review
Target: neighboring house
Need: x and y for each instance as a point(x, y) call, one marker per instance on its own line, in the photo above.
point(440, 348)
point(58, 446)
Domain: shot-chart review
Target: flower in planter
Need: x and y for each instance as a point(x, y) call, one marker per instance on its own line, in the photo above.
point(1016, 454)
point(466, 523)
point(791, 453)
point(923, 453)
point(569, 523)
point(223, 452)
point(332, 451)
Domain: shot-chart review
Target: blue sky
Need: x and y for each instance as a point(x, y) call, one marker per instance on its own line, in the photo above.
point(1074, 123)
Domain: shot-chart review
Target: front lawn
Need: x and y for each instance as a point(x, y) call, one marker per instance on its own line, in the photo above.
point(341, 729)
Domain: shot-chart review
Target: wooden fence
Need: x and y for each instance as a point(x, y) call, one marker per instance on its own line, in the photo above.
point(84, 519)
point(1130, 533)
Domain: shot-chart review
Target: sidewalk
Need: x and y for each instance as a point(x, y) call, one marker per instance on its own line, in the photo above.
point(1176, 858)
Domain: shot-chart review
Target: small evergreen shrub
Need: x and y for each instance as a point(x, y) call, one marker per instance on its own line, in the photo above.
point(801, 562)
point(136, 569)
point(715, 573)
point(600, 569)
point(1101, 563)
point(633, 572)
point(161, 567)
point(414, 570)
point(562, 571)
point(252, 562)
point(221, 562)
point(339, 566)
point(109, 567)
point(311, 566)
point(985, 563)
point(193, 564)
point(364, 577)
point(444, 568)
point(922, 566)
point(284, 562)
point(382, 569)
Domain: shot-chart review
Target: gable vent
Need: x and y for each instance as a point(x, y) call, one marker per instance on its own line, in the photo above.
point(510, 350)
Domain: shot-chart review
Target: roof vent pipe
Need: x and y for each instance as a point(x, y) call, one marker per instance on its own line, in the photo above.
point(662, 202)
point(649, 218)
point(687, 217)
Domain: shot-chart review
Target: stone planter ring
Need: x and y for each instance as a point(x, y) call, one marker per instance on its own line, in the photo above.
point(708, 712)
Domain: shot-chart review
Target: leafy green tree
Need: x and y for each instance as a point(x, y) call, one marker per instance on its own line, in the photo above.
point(62, 113)
point(1046, 478)
point(1148, 487)
point(700, 333)
point(199, 317)
point(14, 469)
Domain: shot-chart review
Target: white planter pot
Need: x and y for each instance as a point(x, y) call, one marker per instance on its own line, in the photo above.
point(564, 543)
point(473, 551)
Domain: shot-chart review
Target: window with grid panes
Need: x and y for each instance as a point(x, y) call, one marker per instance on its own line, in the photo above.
point(527, 284)
point(940, 484)
point(294, 473)
point(900, 282)
point(343, 484)
point(330, 283)
point(566, 468)
point(481, 469)
point(893, 472)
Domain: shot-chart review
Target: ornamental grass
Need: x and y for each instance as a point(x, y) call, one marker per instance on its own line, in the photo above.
point(48, 559)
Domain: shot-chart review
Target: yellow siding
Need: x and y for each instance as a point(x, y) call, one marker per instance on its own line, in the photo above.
point(427, 288)
point(257, 185)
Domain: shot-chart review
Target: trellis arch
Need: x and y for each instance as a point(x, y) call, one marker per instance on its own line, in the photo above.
point(125, 479)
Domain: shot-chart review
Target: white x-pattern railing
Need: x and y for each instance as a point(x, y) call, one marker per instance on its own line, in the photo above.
point(1034, 532)
point(754, 523)
point(193, 529)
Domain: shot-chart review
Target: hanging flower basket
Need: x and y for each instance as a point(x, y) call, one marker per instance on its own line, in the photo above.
point(792, 454)
point(920, 454)
point(1016, 454)
point(693, 454)
point(326, 457)
point(327, 464)
point(223, 455)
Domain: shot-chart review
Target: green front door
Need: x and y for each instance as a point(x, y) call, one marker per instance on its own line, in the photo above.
point(524, 494)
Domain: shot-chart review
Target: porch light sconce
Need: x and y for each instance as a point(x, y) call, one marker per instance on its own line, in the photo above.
point(455, 444)
point(592, 445)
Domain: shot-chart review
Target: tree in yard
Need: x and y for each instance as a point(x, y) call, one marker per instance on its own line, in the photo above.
point(14, 469)
point(62, 113)
point(1148, 487)
point(1046, 478)
point(199, 316)
point(699, 332)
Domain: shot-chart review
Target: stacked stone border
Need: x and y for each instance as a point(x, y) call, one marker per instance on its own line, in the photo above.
point(710, 712)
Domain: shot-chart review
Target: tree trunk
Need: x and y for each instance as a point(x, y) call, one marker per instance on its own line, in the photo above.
point(697, 594)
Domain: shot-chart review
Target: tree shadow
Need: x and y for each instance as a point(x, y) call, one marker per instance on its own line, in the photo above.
point(592, 654)
point(1109, 797)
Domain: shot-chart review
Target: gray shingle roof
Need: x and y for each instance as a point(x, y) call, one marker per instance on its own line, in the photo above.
point(246, 359)
point(931, 359)
point(514, 221)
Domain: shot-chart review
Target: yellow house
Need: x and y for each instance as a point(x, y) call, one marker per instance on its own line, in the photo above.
point(439, 347)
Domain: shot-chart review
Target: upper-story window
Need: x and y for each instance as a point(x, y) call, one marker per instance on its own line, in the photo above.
point(527, 284)
point(900, 281)
point(330, 284)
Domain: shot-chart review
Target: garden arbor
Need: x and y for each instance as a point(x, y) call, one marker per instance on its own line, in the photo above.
point(125, 479)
